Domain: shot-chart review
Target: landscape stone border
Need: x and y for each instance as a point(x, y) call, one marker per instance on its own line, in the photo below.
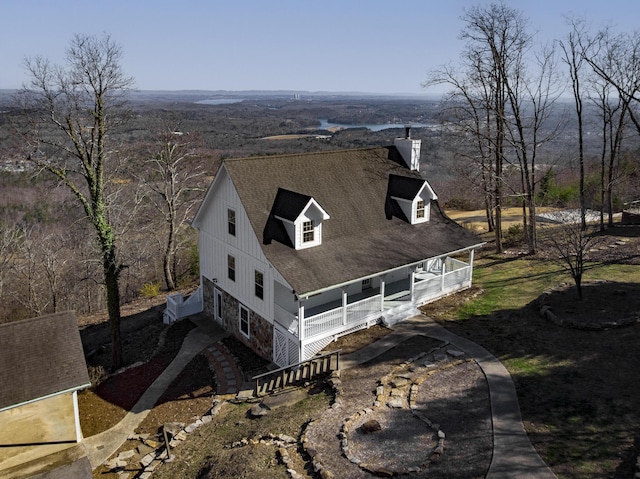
point(143, 459)
point(547, 313)
point(438, 355)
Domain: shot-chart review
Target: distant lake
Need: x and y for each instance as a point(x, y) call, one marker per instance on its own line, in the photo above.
point(325, 125)
point(219, 101)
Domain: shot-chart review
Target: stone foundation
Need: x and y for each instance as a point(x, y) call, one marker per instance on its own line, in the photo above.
point(260, 330)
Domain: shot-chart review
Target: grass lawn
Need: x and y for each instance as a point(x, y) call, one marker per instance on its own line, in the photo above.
point(579, 391)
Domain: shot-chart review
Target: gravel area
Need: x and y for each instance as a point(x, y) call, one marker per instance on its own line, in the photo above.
point(452, 394)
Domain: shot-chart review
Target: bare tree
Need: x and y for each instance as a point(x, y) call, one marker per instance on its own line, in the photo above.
point(617, 61)
point(575, 48)
point(9, 243)
point(172, 177)
point(501, 106)
point(531, 100)
point(614, 101)
point(571, 244)
point(73, 111)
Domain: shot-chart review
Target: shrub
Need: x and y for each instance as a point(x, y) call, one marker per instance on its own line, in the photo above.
point(514, 235)
point(150, 290)
point(97, 375)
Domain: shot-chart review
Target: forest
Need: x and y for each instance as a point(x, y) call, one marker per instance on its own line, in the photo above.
point(51, 262)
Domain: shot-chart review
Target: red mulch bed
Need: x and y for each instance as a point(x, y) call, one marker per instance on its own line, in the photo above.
point(124, 389)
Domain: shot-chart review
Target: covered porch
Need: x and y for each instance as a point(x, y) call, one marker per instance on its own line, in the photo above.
point(310, 323)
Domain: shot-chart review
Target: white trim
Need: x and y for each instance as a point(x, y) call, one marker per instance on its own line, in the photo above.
point(204, 205)
point(48, 396)
point(76, 416)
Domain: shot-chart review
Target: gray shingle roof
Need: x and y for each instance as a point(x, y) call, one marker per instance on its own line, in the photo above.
point(366, 233)
point(40, 357)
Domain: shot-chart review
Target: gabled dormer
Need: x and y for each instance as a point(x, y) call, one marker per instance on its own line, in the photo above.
point(409, 198)
point(300, 216)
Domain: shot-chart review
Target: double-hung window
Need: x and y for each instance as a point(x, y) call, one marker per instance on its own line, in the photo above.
point(231, 221)
point(420, 209)
point(259, 284)
point(231, 267)
point(307, 232)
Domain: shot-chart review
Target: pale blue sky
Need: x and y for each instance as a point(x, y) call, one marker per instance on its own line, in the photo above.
point(370, 46)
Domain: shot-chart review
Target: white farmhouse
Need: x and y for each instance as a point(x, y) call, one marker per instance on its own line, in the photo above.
point(296, 250)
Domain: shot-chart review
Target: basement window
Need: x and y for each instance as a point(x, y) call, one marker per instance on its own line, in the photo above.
point(243, 319)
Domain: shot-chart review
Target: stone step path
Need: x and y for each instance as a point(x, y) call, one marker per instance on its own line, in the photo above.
point(228, 374)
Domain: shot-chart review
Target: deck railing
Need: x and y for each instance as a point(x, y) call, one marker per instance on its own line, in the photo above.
point(178, 308)
point(295, 374)
point(333, 321)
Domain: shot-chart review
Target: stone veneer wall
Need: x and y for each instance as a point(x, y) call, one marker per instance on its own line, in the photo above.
point(261, 331)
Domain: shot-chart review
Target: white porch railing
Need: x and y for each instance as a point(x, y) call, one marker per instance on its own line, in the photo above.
point(363, 309)
point(458, 276)
point(178, 308)
point(323, 322)
point(320, 329)
point(335, 320)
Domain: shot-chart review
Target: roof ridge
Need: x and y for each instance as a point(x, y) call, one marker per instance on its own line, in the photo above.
point(306, 153)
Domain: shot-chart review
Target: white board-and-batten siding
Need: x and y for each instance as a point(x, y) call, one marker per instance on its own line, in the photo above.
point(216, 244)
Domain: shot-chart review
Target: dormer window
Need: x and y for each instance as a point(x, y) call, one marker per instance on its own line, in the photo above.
point(295, 220)
point(421, 211)
point(409, 198)
point(307, 232)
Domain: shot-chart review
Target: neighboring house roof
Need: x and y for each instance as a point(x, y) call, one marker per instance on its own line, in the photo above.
point(363, 237)
point(40, 357)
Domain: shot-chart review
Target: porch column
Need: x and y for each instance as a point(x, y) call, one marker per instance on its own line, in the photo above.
point(471, 265)
point(301, 318)
point(412, 277)
point(382, 285)
point(344, 305)
point(443, 264)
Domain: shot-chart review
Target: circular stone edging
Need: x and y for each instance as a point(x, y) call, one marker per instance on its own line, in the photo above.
point(335, 383)
point(547, 313)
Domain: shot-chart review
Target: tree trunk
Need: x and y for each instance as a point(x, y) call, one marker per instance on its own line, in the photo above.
point(169, 258)
point(610, 195)
point(111, 274)
point(578, 281)
point(167, 265)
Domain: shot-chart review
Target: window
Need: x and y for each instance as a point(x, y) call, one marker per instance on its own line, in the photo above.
point(218, 301)
point(420, 209)
point(244, 321)
point(259, 284)
point(366, 283)
point(307, 231)
point(231, 221)
point(231, 268)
